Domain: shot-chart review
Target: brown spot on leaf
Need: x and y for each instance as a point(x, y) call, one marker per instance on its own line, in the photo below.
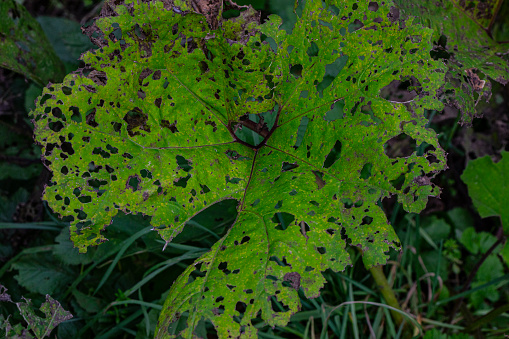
point(293, 278)
point(319, 179)
point(98, 77)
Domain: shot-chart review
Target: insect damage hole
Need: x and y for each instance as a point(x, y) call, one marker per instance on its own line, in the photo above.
point(283, 220)
point(333, 155)
point(401, 145)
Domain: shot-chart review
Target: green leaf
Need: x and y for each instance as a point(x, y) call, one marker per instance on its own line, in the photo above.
point(436, 228)
point(66, 39)
point(13, 332)
point(462, 38)
point(24, 47)
point(42, 275)
point(41, 327)
point(66, 253)
point(15, 172)
point(155, 128)
point(33, 91)
point(477, 242)
point(461, 219)
point(488, 184)
point(8, 205)
point(89, 303)
point(490, 270)
point(54, 315)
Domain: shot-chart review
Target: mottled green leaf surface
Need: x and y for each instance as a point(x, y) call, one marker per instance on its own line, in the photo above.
point(53, 312)
point(24, 47)
point(154, 125)
point(462, 36)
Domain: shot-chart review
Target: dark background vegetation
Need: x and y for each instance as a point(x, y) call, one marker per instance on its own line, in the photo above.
point(117, 289)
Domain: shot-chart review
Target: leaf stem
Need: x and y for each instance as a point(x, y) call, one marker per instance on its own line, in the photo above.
point(390, 298)
point(492, 315)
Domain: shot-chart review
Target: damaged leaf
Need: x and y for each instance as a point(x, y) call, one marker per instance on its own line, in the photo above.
point(157, 124)
point(54, 315)
point(24, 47)
point(40, 327)
point(463, 39)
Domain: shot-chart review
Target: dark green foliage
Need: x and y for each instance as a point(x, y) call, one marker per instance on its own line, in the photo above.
point(24, 47)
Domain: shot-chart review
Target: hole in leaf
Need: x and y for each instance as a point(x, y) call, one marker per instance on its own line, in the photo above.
point(56, 126)
point(313, 50)
point(103, 153)
point(76, 116)
point(234, 181)
point(277, 306)
point(171, 126)
point(146, 173)
point(333, 155)
point(357, 24)
point(402, 90)
point(301, 131)
point(57, 112)
point(224, 267)
point(81, 215)
point(133, 182)
point(398, 182)
point(204, 189)
point(183, 164)
point(304, 229)
point(90, 118)
point(283, 220)
point(296, 70)
point(366, 171)
point(367, 220)
point(336, 111)
point(182, 182)
point(347, 203)
point(136, 119)
point(331, 72)
point(400, 146)
point(85, 199)
point(67, 90)
point(288, 166)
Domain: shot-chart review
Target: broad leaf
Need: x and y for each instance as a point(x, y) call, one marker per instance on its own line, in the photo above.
point(463, 38)
point(54, 315)
point(159, 124)
point(24, 47)
point(40, 274)
point(41, 327)
point(488, 184)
